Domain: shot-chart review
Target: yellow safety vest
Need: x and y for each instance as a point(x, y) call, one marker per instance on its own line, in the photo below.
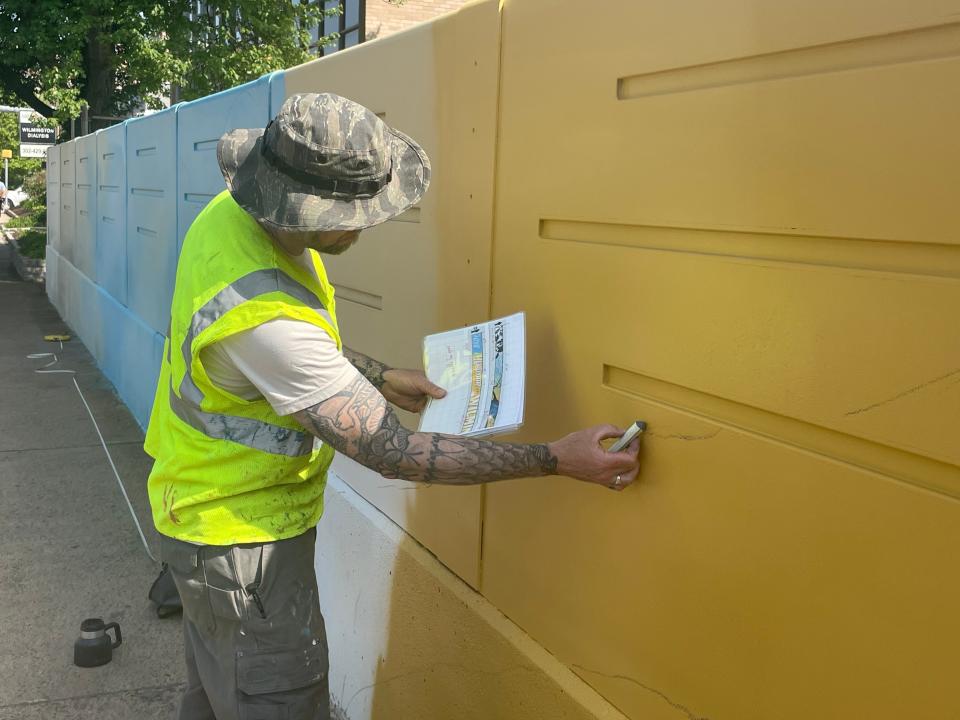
point(229, 470)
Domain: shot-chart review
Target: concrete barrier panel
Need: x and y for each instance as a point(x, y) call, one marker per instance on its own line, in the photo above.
point(85, 245)
point(733, 221)
point(76, 295)
point(61, 289)
point(52, 265)
point(68, 278)
point(427, 270)
point(199, 126)
point(278, 86)
point(87, 319)
point(142, 354)
point(132, 360)
point(68, 199)
point(111, 255)
point(53, 197)
point(152, 216)
point(115, 319)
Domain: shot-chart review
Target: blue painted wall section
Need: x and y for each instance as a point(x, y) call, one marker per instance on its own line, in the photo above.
point(152, 216)
point(53, 221)
point(86, 231)
point(120, 202)
point(68, 199)
point(111, 255)
point(199, 126)
point(278, 91)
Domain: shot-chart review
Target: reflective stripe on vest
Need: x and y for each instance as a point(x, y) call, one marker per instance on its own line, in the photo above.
point(252, 433)
point(242, 430)
point(259, 282)
point(228, 470)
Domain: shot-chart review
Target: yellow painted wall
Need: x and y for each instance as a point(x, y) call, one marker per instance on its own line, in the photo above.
point(737, 221)
point(429, 270)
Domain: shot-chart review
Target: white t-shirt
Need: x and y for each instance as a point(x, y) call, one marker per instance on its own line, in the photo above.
point(291, 363)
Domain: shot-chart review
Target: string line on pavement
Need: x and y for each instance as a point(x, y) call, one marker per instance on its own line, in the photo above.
point(103, 444)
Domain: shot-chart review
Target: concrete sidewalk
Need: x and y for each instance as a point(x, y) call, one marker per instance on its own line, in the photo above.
point(70, 548)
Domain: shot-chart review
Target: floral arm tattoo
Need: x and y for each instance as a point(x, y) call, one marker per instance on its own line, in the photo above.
point(358, 422)
point(371, 369)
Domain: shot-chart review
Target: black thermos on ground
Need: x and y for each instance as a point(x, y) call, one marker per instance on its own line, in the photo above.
point(94, 646)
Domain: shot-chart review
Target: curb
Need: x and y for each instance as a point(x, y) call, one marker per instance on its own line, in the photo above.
point(29, 269)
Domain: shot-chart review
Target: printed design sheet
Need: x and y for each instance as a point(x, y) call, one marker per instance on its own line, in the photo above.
point(482, 368)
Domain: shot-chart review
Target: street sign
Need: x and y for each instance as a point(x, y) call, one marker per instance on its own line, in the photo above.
point(36, 135)
point(28, 150)
point(6, 154)
point(34, 138)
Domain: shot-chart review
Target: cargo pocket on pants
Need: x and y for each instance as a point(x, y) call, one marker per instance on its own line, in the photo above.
point(283, 683)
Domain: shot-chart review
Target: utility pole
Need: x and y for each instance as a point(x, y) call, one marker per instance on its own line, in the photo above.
point(7, 154)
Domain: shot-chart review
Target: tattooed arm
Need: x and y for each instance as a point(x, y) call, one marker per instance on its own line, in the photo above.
point(371, 369)
point(359, 423)
point(408, 389)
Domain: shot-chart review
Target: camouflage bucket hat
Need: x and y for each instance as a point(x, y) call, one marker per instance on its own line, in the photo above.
point(323, 163)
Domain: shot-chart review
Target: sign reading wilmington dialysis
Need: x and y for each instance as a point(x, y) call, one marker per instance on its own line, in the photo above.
point(34, 139)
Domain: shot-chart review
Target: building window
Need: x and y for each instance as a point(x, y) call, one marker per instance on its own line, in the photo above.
point(348, 25)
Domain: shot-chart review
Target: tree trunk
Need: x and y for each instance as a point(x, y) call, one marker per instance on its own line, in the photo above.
point(100, 83)
point(25, 94)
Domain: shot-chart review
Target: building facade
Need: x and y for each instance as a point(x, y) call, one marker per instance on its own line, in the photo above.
point(364, 20)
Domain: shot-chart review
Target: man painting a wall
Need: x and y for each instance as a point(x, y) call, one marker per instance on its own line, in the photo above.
point(257, 392)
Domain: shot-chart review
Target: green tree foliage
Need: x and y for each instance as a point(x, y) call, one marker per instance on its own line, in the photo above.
point(19, 168)
point(240, 40)
point(114, 55)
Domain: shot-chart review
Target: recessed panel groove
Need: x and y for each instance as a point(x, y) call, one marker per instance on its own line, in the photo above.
point(807, 437)
point(410, 216)
point(930, 43)
point(854, 253)
point(147, 192)
point(203, 198)
point(360, 297)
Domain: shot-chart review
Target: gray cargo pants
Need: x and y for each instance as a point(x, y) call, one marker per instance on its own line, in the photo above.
point(256, 647)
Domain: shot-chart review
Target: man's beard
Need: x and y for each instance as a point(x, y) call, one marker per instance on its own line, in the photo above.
point(338, 249)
